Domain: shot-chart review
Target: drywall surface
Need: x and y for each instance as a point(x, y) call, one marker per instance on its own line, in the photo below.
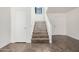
point(58, 22)
point(21, 24)
point(4, 26)
point(73, 23)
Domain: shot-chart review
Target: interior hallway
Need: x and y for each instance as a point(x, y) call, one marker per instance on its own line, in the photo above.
point(60, 44)
point(17, 24)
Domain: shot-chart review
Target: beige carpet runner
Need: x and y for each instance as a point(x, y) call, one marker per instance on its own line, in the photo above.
point(40, 34)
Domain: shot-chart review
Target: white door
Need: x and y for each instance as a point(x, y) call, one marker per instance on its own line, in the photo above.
point(22, 24)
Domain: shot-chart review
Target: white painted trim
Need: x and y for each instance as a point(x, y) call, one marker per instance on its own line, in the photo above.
point(73, 37)
point(49, 28)
point(6, 43)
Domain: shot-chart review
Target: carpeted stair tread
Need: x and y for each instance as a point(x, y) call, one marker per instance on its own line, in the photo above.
point(40, 41)
point(40, 34)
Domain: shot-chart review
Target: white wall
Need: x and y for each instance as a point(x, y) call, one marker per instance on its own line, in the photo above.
point(58, 22)
point(5, 23)
point(73, 23)
point(21, 24)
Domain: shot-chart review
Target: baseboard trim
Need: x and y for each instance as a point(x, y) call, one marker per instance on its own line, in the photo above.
point(73, 37)
point(67, 36)
point(5, 45)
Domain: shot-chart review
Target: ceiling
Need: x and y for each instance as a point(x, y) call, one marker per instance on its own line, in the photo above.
point(59, 9)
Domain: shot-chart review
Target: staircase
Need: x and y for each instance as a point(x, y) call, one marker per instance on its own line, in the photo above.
point(40, 34)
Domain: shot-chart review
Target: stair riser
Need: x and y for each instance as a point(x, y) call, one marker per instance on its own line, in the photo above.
point(40, 37)
point(40, 33)
point(40, 41)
